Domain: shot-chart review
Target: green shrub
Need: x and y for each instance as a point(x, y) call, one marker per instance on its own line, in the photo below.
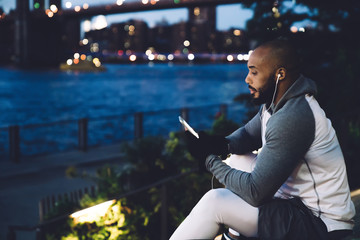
point(138, 216)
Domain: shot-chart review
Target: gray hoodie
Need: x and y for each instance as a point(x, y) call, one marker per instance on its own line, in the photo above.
point(300, 157)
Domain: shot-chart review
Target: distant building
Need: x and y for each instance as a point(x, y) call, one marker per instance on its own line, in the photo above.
point(130, 36)
point(179, 35)
point(136, 34)
point(98, 40)
point(233, 40)
point(202, 23)
point(161, 37)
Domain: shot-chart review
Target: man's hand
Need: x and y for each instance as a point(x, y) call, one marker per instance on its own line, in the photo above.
point(205, 145)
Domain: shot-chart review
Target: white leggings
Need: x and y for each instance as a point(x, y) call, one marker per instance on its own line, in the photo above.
point(221, 206)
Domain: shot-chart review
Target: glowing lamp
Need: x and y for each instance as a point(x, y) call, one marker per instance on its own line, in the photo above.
point(191, 56)
point(53, 8)
point(170, 57)
point(294, 29)
point(119, 2)
point(93, 213)
point(230, 58)
point(132, 58)
point(240, 57)
point(151, 57)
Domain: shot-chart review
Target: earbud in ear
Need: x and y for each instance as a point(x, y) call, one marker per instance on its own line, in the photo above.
point(279, 75)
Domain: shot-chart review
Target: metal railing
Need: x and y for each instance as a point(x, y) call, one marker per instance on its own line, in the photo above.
point(17, 141)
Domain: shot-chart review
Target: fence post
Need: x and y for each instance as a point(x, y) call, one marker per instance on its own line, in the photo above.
point(138, 127)
point(164, 210)
point(185, 114)
point(83, 133)
point(11, 233)
point(39, 234)
point(41, 210)
point(224, 110)
point(14, 143)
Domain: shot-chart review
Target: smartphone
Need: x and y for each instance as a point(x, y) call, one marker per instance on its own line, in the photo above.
point(187, 127)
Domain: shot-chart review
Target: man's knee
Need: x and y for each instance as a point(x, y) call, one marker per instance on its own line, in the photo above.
point(216, 196)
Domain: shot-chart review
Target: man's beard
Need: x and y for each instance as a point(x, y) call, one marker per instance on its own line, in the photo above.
point(265, 93)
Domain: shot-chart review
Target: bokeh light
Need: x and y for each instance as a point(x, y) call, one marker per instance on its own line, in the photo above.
point(132, 58)
point(191, 57)
point(68, 4)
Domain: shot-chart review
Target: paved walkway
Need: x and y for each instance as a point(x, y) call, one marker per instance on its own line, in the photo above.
point(24, 184)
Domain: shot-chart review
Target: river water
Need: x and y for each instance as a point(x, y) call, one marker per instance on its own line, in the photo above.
point(36, 99)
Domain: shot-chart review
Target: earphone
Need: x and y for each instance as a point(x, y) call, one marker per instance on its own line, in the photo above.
point(273, 97)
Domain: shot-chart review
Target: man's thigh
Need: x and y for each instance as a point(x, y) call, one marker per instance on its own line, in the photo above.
point(233, 211)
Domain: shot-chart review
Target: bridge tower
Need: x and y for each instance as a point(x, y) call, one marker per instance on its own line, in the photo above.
point(39, 39)
point(21, 32)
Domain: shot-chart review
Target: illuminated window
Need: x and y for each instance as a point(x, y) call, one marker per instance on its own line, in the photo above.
point(196, 11)
point(237, 32)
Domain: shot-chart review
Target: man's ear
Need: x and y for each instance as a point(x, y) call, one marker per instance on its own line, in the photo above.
point(281, 74)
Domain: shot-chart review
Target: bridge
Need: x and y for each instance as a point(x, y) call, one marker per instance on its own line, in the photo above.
point(41, 31)
point(123, 6)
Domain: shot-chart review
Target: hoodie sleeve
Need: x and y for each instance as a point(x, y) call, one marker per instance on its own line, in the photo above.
point(246, 139)
point(288, 137)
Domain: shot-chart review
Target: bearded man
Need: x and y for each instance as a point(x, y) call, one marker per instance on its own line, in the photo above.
point(296, 186)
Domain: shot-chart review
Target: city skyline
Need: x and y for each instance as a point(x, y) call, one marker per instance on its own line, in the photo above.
point(228, 16)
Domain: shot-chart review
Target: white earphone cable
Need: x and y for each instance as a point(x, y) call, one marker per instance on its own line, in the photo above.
point(273, 97)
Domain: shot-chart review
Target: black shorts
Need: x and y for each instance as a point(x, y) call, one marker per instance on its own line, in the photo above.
point(289, 219)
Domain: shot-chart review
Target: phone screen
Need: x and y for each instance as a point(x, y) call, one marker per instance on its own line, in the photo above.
point(187, 127)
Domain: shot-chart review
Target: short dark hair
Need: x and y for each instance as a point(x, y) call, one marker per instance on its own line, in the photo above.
point(284, 54)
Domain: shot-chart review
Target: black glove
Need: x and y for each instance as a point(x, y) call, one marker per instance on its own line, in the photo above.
point(206, 145)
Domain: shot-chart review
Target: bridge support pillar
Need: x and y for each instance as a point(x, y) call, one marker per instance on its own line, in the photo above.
point(21, 32)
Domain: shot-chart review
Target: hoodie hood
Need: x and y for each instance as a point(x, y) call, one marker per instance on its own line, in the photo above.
point(301, 86)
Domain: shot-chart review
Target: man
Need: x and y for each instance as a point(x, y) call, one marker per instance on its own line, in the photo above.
point(297, 187)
